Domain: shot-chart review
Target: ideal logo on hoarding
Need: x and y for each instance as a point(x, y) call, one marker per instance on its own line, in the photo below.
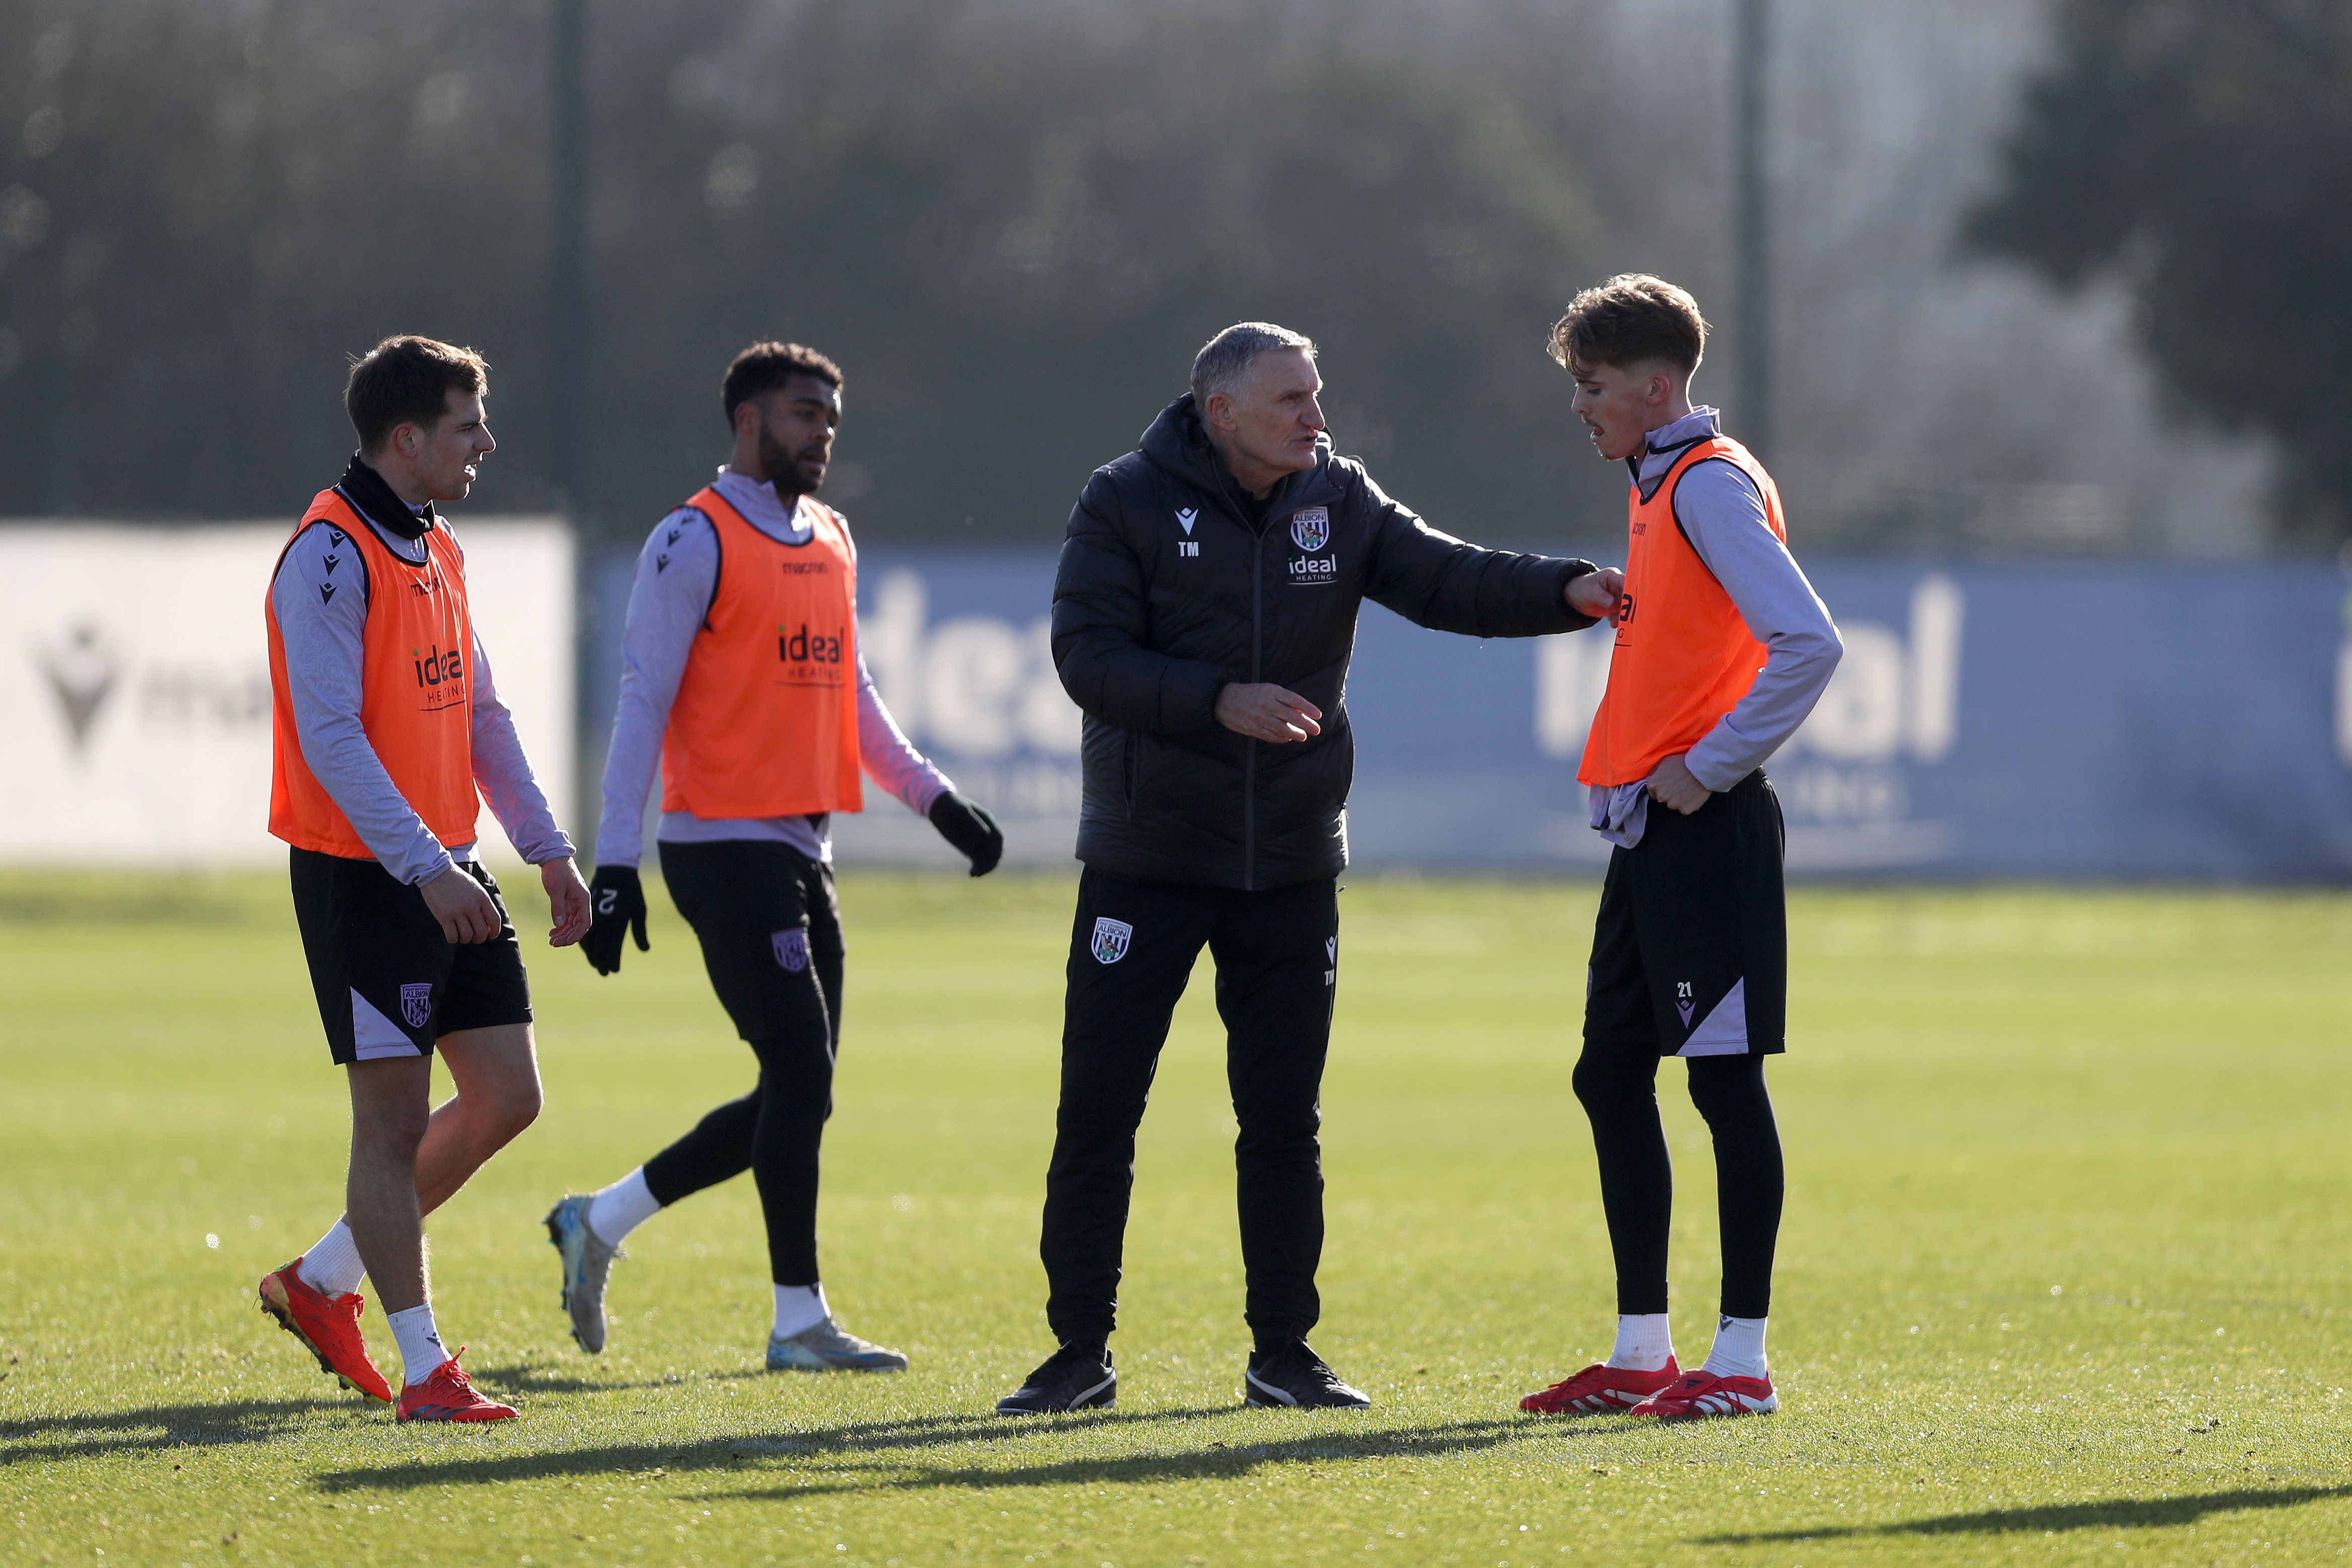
point(978, 690)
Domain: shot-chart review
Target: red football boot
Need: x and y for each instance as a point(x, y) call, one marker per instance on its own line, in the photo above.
point(328, 1326)
point(1602, 1390)
point(448, 1396)
point(1702, 1393)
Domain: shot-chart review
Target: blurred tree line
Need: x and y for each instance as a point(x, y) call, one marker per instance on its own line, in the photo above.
point(1012, 221)
point(2202, 152)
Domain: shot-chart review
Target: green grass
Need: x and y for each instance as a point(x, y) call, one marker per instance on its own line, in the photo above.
point(2063, 1276)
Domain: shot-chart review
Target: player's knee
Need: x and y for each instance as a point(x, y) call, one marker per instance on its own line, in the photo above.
point(1729, 1091)
point(1291, 1131)
point(518, 1106)
point(392, 1131)
point(1606, 1085)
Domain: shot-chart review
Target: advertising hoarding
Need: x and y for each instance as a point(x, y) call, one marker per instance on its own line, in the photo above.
point(139, 709)
point(2073, 721)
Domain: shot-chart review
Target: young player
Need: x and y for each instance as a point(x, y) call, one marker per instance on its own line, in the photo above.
point(386, 722)
point(1690, 950)
point(742, 680)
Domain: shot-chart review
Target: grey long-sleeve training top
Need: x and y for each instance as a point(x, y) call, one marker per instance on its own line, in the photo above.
point(1722, 514)
point(676, 573)
point(325, 655)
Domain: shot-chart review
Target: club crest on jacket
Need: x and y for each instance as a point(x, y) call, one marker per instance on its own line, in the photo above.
point(1311, 529)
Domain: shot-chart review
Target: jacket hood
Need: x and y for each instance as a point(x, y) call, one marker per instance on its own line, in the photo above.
point(1177, 442)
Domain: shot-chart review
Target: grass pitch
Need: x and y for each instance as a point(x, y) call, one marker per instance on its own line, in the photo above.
point(2063, 1276)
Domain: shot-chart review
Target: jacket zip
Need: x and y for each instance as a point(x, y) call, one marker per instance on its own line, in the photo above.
point(1249, 758)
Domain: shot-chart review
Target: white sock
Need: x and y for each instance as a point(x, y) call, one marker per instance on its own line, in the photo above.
point(421, 1354)
point(1738, 1348)
point(333, 1266)
point(799, 1308)
point(1645, 1341)
point(621, 1207)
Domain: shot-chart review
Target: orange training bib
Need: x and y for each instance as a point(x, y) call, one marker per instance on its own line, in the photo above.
point(765, 721)
point(1684, 657)
point(416, 686)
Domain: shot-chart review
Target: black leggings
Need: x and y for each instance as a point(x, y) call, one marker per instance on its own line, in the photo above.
point(770, 935)
point(1619, 1088)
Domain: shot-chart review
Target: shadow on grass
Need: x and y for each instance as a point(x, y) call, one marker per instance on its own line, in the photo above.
point(2114, 1513)
point(884, 1474)
point(165, 1427)
point(527, 1378)
point(1217, 1462)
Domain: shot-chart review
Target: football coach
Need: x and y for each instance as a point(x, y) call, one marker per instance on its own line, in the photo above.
point(1204, 609)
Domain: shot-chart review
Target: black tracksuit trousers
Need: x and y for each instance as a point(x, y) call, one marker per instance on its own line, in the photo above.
point(1132, 948)
point(771, 935)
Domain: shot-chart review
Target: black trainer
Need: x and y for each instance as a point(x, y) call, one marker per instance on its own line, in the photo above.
point(1076, 1377)
point(1295, 1376)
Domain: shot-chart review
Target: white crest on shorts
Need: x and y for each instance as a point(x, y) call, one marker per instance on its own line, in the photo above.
point(791, 948)
point(1111, 938)
point(417, 1006)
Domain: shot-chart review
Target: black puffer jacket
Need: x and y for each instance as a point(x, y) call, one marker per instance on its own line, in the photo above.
point(1168, 590)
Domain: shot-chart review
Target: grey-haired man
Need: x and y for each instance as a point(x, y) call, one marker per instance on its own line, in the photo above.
point(1204, 615)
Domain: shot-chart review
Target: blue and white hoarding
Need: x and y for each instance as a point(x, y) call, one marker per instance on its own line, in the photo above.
point(2136, 721)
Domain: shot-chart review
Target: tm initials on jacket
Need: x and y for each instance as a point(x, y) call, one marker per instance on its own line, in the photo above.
point(1175, 584)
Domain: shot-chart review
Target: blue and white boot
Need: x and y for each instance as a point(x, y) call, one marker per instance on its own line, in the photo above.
point(587, 1264)
point(827, 1347)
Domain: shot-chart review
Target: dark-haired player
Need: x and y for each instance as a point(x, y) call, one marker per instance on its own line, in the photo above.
point(388, 733)
point(742, 680)
point(1690, 954)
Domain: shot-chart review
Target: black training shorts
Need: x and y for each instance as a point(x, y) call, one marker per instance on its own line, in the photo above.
point(1690, 954)
point(389, 983)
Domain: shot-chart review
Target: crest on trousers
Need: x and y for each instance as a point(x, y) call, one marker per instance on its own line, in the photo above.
point(1311, 529)
point(417, 1006)
point(791, 948)
point(1111, 938)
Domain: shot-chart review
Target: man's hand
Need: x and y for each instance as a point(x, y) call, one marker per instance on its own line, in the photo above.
point(616, 901)
point(462, 906)
point(1672, 786)
point(1596, 594)
point(1268, 712)
point(567, 900)
point(965, 822)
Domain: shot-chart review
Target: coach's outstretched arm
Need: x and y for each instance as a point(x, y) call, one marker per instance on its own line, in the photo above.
point(1440, 581)
point(1101, 617)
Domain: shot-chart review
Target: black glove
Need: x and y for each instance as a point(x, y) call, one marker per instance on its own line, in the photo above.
point(965, 822)
point(618, 900)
